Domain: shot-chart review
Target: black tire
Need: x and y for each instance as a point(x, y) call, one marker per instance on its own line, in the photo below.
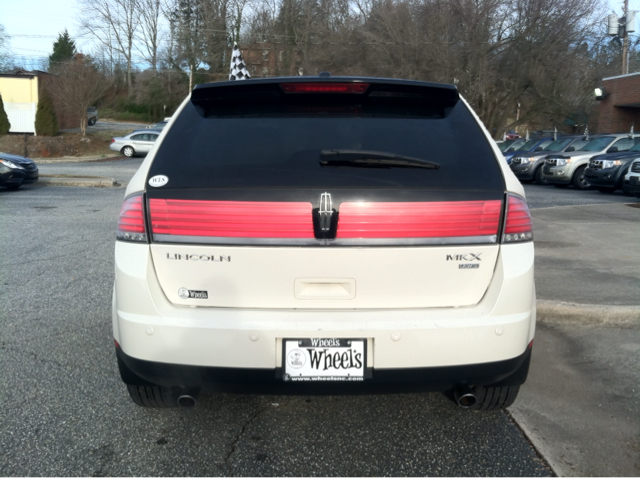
point(91, 121)
point(578, 180)
point(128, 151)
point(153, 396)
point(495, 398)
point(537, 177)
point(606, 190)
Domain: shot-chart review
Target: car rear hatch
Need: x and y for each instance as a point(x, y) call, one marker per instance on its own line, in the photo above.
point(324, 194)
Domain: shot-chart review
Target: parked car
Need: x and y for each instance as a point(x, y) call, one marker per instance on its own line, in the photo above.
point(606, 172)
point(528, 166)
point(16, 170)
point(319, 234)
point(632, 179)
point(566, 169)
point(535, 144)
point(92, 115)
point(138, 142)
point(511, 144)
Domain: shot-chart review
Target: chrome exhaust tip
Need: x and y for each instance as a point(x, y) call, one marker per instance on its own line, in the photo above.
point(186, 401)
point(465, 397)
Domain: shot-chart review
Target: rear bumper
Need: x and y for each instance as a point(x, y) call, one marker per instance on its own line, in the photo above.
point(437, 347)
point(140, 372)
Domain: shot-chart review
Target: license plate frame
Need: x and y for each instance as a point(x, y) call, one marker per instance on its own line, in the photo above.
point(325, 360)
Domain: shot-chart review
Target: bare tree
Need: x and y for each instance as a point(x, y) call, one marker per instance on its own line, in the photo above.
point(77, 85)
point(114, 24)
point(150, 32)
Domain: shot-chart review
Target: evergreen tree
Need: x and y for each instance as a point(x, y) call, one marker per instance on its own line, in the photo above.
point(4, 120)
point(63, 50)
point(46, 121)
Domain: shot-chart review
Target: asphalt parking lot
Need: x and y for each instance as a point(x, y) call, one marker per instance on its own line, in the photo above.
point(66, 412)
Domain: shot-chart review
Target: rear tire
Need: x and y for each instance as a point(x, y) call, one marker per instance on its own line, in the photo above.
point(91, 121)
point(154, 396)
point(128, 151)
point(495, 398)
point(578, 180)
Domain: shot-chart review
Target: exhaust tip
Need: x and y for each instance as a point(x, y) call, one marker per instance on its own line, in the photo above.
point(186, 401)
point(465, 397)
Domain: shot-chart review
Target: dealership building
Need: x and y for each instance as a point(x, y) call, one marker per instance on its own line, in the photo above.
point(619, 103)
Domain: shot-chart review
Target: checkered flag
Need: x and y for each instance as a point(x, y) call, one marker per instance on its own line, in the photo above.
point(238, 69)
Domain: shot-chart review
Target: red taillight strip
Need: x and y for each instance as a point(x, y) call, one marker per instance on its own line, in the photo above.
point(177, 217)
point(518, 217)
point(131, 226)
point(518, 225)
point(357, 88)
point(419, 219)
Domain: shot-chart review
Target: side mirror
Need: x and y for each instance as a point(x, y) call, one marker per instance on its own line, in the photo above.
point(612, 149)
point(570, 148)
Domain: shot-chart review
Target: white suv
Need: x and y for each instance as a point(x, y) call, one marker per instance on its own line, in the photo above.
point(318, 234)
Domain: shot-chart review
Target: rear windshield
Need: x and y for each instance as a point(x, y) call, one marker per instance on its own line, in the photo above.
point(277, 143)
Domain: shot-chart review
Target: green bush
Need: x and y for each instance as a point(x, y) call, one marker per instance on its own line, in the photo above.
point(46, 121)
point(4, 120)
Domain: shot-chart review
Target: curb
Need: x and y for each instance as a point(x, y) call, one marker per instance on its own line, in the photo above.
point(73, 159)
point(553, 312)
point(78, 181)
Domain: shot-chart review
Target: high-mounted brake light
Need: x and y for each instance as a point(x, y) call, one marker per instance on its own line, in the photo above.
point(357, 88)
point(419, 219)
point(131, 225)
point(518, 225)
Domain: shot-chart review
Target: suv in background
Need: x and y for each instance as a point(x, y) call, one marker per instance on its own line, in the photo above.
point(324, 235)
point(606, 172)
point(566, 169)
point(92, 115)
point(535, 144)
point(528, 166)
point(632, 179)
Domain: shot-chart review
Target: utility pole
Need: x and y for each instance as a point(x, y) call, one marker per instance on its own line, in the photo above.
point(625, 41)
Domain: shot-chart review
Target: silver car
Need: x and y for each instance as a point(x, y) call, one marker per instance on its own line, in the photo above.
point(138, 142)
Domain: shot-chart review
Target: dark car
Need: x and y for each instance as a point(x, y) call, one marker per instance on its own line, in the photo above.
point(534, 144)
point(606, 172)
point(92, 115)
point(317, 234)
point(16, 170)
point(527, 166)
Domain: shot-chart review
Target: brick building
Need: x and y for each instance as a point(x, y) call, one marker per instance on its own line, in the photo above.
point(620, 106)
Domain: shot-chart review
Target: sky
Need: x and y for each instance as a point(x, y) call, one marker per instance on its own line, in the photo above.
point(34, 25)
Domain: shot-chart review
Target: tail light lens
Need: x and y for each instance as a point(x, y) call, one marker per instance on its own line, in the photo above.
point(420, 219)
point(131, 226)
point(176, 217)
point(518, 225)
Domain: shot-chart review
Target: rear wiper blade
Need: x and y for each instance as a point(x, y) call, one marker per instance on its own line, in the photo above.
point(335, 157)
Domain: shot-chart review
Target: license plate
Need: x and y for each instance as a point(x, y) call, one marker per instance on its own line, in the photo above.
point(324, 360)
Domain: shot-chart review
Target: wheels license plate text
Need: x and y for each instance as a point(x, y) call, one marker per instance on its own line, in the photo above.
point(318, 360)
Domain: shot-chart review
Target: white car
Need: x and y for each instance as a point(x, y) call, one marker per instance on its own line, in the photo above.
point(632, 179)
point(317, 234)
point(138, 142)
